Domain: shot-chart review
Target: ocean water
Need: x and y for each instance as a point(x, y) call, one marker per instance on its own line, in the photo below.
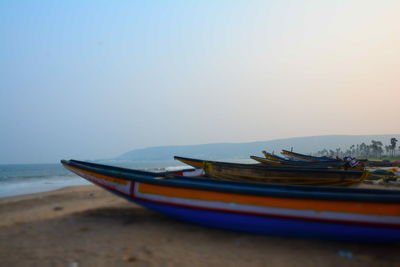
point(24, 179)
point(32, 178)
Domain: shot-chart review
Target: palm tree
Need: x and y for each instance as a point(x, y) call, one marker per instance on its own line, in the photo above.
point(364, 150)
point(388, 149)
point(393, 142)
point(352, 150)
point(376, 147)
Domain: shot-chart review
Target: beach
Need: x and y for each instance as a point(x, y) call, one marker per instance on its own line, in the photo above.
point(87, 226)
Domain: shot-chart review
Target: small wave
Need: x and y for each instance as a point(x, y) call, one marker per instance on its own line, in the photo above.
point(39, 185)
point(42, 176)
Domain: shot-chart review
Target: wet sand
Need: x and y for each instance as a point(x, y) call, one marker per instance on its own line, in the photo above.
point(87, 226)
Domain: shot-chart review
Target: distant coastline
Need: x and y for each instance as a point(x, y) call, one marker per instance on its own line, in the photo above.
point(307, 145)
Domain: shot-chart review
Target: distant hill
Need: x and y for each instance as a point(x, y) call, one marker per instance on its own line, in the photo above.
point(309, 144)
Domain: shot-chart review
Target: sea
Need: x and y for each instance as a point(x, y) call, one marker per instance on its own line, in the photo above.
point(21, 179)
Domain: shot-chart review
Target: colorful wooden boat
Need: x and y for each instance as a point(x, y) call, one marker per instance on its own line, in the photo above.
point(339, 213)
point(276, 174)
point(294, 163)
point(303, 157)
point(272, 156)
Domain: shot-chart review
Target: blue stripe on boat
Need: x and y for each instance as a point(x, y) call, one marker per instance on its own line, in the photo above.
point(276, 226)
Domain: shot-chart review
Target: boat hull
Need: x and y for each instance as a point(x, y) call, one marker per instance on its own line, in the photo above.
point(213, 207)
point(275, 226)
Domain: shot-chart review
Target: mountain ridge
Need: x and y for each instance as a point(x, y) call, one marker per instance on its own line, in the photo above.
point(306, 144)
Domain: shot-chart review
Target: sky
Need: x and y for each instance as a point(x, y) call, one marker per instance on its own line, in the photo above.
point(95, 79)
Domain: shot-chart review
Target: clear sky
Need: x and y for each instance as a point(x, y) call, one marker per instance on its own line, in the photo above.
point(95, 79)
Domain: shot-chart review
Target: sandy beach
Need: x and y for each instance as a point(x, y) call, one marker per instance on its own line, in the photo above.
point(87, 226)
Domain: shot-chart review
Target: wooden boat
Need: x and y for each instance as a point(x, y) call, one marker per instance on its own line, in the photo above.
point(304, 164)
point(302, 157)
point(338, 164)
point(269, 174)
point(338, 213)
point(272, 156)
point(382, 163)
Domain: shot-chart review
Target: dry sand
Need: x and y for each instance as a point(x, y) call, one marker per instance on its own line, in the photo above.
point(87, 226)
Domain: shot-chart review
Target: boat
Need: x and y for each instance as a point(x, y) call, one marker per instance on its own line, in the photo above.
point(382, 163)
point(272, 156)
point(338, 164)
point(339, 213)
point(276, 174)
point(297, 156)
point(295, 163)
point(272, 159)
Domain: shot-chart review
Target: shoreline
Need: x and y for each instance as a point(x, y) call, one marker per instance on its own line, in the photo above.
point(86, 225)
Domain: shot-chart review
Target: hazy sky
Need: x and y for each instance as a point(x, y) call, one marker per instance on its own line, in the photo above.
point(95, 79)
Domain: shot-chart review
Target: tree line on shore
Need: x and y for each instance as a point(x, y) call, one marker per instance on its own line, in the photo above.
point(374, 150)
